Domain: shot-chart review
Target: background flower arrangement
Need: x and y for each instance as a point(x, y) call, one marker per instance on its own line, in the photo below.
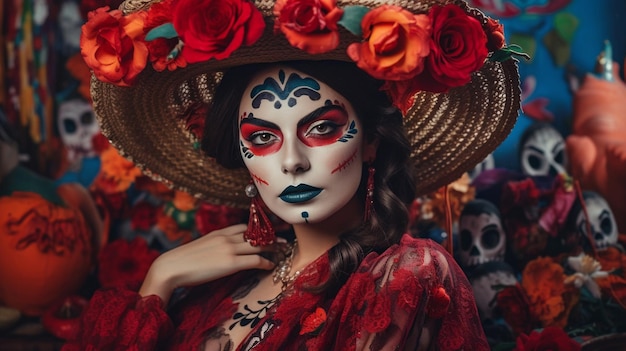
point(562, 288)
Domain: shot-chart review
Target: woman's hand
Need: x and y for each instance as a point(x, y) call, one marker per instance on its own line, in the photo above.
point(213, 256)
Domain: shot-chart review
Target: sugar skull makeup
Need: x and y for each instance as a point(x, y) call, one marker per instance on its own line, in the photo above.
point(302, 143)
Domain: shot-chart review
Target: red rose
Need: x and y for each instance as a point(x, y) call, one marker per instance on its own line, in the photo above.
point(112, 45)
point(143, 216)
point(458, 48)
point(310, 25)
point(549, 339)
point(216, 28)
point(125, 263)
point(160, 48)
point(495, 35)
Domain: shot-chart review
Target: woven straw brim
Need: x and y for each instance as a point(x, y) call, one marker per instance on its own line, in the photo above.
point(450, 133)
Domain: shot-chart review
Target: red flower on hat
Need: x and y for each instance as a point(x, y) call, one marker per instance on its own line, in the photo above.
point(160, 48)
point(123, 263)
point(215, 28)
point(495, 35)
point(458, 48)
point(310, 25)
point(396, 43)
point(112, 45)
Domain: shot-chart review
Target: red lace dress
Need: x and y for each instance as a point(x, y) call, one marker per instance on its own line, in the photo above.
point(413, 291)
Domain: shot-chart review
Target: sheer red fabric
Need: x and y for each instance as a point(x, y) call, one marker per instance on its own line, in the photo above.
point(413, 296)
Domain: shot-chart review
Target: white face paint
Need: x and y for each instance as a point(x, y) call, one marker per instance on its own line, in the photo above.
point(77, 126)
point(601, 221)
point(302, 143)
point(543, 153)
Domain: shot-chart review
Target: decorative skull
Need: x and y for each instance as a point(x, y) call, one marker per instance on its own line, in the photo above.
point(486, 164)
point(485, 279)
point(481, 236)
point(601, 220)
point(77, 126)
point(542, 151)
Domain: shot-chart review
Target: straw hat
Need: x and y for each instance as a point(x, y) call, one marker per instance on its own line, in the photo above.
point(143, 100)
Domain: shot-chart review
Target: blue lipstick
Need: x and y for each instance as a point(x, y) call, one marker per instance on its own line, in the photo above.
point(301, 193)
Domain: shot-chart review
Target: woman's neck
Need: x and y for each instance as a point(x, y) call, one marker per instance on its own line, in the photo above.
point(316, 238)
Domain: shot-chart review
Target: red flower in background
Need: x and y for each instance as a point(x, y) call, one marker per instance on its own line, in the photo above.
point(143, 216)
point(213, 217)
point(549, 339)
point(123, 263)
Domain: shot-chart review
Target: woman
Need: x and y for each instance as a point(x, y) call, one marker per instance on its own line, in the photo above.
point(325, 140)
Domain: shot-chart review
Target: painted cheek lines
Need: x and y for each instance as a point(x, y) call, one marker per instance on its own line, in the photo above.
point(259, 179)
point(343, 165)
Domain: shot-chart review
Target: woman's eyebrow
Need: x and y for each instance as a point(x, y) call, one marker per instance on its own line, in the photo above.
point(318, 112)
point(258, 122)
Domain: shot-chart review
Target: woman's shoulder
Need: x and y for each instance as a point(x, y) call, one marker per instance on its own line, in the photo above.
point(412, 258)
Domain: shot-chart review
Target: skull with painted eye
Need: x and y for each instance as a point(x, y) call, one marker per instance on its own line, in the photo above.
point(542, 151)
point(481, 236)
point(599, 225)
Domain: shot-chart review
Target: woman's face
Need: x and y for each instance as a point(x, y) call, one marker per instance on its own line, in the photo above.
point(302, 143)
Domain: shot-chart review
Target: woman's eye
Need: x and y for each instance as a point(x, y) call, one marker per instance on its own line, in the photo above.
point(322, 128)
point(262, 138)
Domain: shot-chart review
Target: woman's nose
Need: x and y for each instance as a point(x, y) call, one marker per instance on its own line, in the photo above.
point(294, 159)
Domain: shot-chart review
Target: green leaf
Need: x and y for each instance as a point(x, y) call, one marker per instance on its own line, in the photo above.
point(351, 19)
point(508, 52)
point(525, 41)
point(566, 24)
point(165, 30)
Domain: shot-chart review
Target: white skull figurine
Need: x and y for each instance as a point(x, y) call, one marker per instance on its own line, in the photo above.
point(481, 236)
point(485, 279)
point(601, 221)
point(77, 126)
point(542, 151)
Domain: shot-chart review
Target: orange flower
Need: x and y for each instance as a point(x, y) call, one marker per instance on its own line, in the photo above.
point(550, 300)
point(116, 172)
point(396, 43)
point(310, 25)
point(313, 322)
point(112, 45)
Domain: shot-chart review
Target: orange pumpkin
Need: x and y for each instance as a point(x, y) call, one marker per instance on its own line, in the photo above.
point(46, 252)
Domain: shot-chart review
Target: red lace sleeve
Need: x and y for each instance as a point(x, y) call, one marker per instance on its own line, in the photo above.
point(119, 319)
point(419, 298)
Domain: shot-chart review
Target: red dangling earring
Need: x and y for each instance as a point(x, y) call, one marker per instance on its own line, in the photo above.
point(260, 231)
point(369, 195)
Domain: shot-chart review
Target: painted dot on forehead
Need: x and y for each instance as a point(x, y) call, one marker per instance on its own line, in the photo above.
point(284, 89)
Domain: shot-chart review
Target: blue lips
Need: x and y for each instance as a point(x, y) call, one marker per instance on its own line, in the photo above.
point(300, 193)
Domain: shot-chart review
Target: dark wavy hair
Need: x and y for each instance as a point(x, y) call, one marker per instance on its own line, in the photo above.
point(394, 179)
